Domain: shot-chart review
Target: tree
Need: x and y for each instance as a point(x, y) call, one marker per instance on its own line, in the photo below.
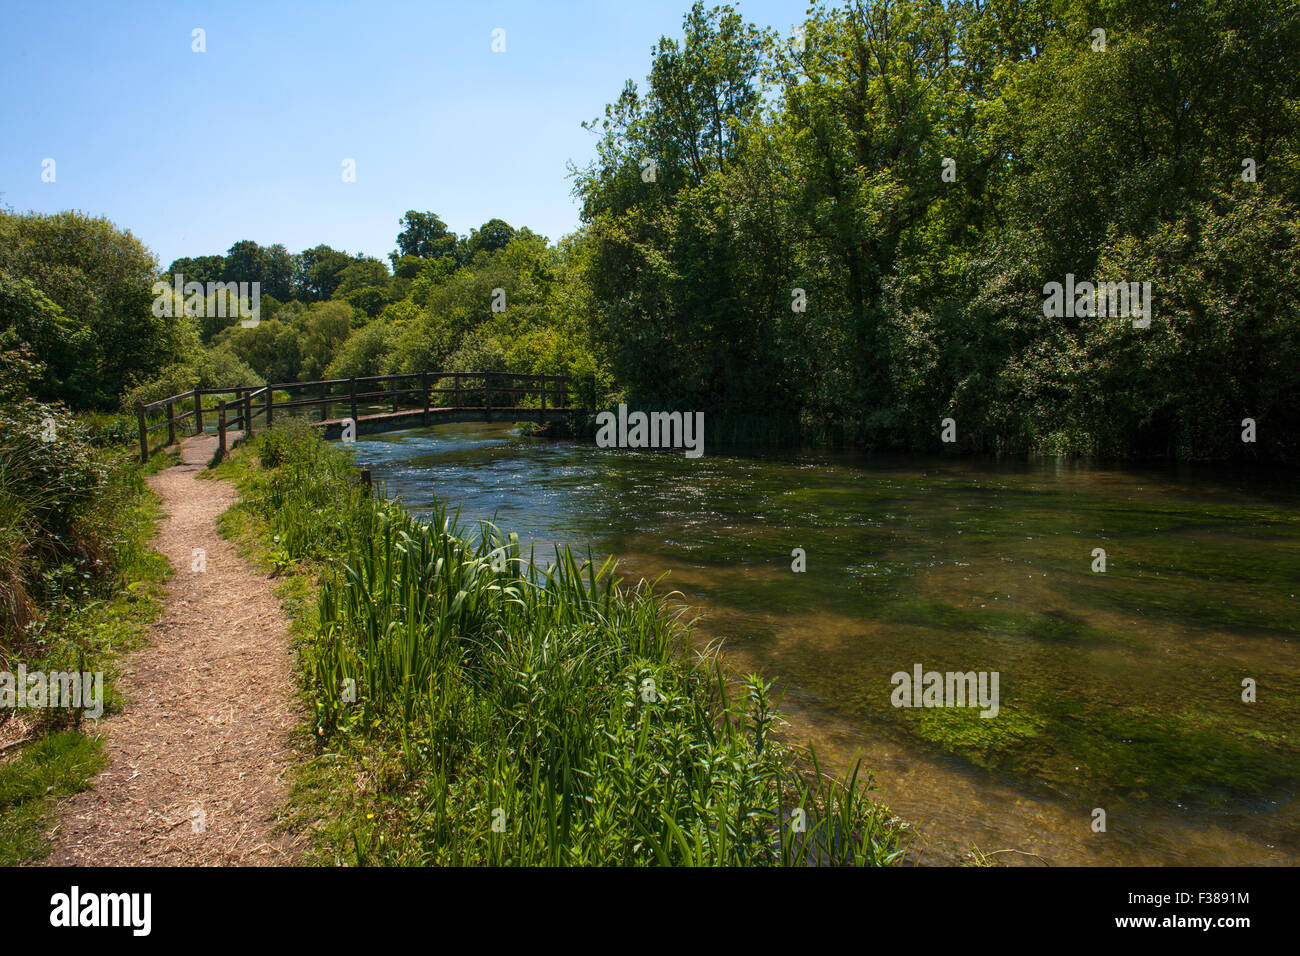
point(245, 262)
point(203, 269)
point(424, 236)
point(324, 330)
point(30, 320)
point(278, 272)
point(102, 279)
point(270, 348)
point(492, 235)
point(318, 272)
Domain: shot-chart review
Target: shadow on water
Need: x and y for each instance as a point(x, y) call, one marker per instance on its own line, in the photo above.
point(1119, 690)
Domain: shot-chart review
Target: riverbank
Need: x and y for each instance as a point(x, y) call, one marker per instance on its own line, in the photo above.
point(472, 706)
point(1119, 689)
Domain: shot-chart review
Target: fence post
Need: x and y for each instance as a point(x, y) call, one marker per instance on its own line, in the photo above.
point(221, 429)
point(487, 394)
point(144, 433)
point(248, 412)
point(198, 412)
point(171, 423)
point(324, 401)
point(458, 389)
point(270, 400)
point(424, 384)
point(392, 387)
point(542, 418)
point(352, 393)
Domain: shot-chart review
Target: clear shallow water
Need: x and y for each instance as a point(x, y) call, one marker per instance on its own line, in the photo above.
point(1119, 691)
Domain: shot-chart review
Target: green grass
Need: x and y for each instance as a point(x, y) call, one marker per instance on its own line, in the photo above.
point(80, 631)
point(471, 706)
point(53, 767)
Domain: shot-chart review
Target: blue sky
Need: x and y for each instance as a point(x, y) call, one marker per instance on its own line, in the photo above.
point(194, 151)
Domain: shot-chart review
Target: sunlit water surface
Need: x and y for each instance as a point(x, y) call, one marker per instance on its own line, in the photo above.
point(1119, 690)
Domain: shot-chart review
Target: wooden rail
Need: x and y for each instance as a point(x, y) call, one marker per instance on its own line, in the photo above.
point(435, 396)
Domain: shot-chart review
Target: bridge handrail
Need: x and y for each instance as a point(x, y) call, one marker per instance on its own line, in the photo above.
point(486, 385)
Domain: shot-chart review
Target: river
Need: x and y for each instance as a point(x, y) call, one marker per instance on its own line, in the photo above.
point(1119, 691)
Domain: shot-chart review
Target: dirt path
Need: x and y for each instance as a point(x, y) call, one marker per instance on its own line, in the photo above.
point(197, 758)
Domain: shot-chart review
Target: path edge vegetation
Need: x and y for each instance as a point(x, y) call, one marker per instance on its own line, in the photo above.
point(443, 722)
point(60, 754)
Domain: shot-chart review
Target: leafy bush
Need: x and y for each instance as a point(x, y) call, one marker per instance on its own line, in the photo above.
point(63, 506)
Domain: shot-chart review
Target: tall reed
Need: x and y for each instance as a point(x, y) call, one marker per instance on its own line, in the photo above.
point(544, 714)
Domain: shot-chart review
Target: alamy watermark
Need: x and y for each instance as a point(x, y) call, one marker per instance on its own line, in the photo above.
point(651, 430)
point(75, 908)
point(244, 298)
point(923, 688)
point(1120, 300)
point(56, 689)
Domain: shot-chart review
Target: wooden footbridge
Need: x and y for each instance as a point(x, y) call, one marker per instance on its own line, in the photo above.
point(375, 403)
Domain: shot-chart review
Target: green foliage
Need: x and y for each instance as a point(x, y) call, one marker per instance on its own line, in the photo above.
point(324, 329)
point(222, 368)
point(271, 348)
point(366, 352)
point(924, 293)
point(76, 579)
point(54, 767)
point(103, 334)
point(48, 488)
point(35, 322)
point(424, 236)
point(493, 235)
point(551, 701)
point(320, 272)
point(173, 380)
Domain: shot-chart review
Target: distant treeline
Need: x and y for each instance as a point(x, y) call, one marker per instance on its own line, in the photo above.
point(499, 299)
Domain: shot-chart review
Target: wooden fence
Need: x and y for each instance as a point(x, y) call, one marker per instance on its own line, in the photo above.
point(430, 397)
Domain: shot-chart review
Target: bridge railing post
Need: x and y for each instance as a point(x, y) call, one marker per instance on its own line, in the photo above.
point(542, 417)
point(457, 389)
point(392, 387)
point(352, 395)
point(424, 385)
point(324, 401)
point(144, 433)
